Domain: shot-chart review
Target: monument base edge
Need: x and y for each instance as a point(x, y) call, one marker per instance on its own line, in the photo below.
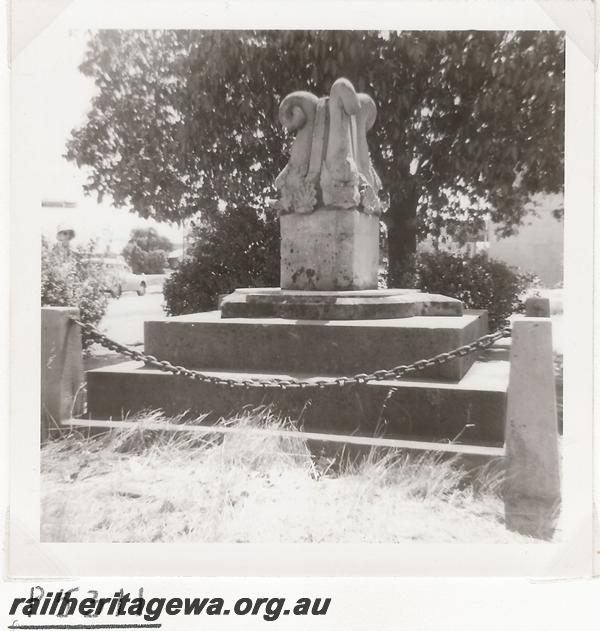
point(337, 305)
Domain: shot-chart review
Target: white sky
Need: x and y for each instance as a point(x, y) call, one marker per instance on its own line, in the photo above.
point(65, 102)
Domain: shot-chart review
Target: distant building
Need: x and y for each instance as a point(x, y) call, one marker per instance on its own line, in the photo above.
point(537, 246)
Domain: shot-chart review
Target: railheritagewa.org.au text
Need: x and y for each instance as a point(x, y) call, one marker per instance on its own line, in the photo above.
point(65, 603)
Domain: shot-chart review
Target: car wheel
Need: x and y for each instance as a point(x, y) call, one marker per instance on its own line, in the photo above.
point(142, 290)
point(116, 291)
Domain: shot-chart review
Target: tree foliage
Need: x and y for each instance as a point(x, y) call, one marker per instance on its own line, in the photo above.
point(469, 123)
point(146, 251)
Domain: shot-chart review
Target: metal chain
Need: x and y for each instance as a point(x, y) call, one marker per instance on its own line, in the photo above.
point(397, 372)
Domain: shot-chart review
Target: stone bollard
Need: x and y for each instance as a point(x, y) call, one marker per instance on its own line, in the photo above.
point(537, 307)
point(532, 487)
point(62, 367)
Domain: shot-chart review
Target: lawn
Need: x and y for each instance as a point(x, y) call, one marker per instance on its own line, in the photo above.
point(136, 486)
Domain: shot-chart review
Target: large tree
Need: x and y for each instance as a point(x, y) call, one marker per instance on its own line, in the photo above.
point(470, 123)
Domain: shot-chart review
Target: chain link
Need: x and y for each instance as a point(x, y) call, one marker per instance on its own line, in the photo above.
point(397, 372)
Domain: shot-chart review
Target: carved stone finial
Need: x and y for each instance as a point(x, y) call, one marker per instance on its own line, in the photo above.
point(330, 165)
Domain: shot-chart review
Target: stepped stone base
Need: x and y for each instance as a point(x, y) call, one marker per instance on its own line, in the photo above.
point(411, 409)
point(206, 341)
point(374, 304)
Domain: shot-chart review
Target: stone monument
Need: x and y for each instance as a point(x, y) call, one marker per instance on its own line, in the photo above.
point(328, 318)
point(329, 213)
point(329, 193)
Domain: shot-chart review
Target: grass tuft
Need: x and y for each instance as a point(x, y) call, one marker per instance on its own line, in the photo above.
point(143, 486)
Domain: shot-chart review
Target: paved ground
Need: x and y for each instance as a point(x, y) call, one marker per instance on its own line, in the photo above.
point(124, 322)
point(124, 319)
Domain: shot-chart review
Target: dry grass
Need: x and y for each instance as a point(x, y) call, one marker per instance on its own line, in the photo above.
point(134, 486)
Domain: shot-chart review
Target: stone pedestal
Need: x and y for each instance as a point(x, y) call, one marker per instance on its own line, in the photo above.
point(329, 250)
point(313, 347)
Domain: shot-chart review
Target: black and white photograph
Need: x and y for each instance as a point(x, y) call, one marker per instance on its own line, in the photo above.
point(307, 286)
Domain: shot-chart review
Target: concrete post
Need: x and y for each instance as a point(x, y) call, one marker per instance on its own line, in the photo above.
point(62, 367)
point(537, 307)
point(532, 487)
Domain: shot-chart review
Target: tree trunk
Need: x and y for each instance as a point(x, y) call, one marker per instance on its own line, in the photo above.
point(401, 221)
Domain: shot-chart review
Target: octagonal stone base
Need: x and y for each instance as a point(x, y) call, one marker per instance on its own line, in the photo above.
point(329, 250)
point(373, 304)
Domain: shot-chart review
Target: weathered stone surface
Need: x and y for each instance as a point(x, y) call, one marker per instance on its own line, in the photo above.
point(336, 305)
point(204, 340)
point(329, 202)
point(532, 489)
point(62, 367)
point(420, 410)
point(329, 164)
point(329, 250)
point(297, 113)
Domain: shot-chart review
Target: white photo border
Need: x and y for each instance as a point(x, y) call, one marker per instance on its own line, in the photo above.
point(570, 557)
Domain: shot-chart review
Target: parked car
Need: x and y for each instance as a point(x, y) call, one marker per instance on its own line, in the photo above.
point(121, 277)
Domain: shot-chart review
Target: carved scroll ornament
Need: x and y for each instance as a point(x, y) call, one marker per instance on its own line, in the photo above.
point(329, 165)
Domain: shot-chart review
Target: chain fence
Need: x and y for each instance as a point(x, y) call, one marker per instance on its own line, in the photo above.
point(480, 344)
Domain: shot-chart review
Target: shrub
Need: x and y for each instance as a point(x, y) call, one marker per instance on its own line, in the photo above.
point(480, 282)
point(146, 251)
point(143, 262)
point(238, 248)
point(71, 279)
